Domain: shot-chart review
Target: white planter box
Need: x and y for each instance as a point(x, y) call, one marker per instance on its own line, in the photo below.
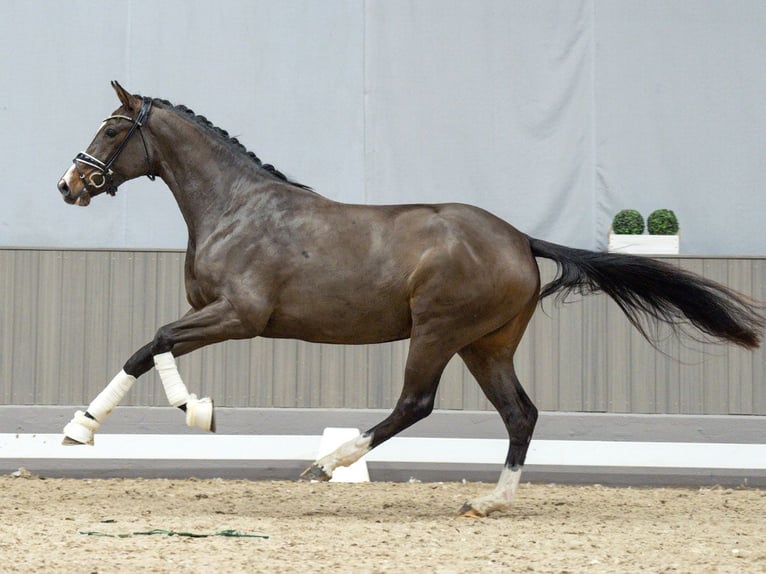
point(644, 244)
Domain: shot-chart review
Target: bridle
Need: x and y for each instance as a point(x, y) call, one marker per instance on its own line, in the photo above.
point(101, 179)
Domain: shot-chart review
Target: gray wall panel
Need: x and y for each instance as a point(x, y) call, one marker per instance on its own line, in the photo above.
point(7, 315)
point(70, 319)
point(554, 115)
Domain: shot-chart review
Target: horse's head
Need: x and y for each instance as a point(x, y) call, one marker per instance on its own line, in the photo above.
point(114, 155)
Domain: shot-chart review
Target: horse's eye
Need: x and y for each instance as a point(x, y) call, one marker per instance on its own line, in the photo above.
point(111, 132)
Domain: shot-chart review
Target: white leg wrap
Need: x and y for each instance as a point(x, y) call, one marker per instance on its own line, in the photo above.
point(81, 428)
point(175, 389)
point(199, 412)
point(111, 396)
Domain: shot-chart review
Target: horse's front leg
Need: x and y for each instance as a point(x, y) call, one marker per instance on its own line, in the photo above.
point(214, 323)
point(84, 423)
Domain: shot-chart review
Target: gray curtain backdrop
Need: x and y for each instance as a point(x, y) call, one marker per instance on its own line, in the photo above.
point(552, 114)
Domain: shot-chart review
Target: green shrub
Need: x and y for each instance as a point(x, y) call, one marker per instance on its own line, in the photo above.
point(662, 222)
point(628, 222)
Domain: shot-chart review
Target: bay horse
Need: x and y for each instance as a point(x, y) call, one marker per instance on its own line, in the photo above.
point(270, 257)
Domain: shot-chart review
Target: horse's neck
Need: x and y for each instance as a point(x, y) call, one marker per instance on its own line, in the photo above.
point(190, 165)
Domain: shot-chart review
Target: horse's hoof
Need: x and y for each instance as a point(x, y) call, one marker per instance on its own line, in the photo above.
point(200, 413)
point(79, 430)
point(468, 511)
point(315, 473)
point(69, 441)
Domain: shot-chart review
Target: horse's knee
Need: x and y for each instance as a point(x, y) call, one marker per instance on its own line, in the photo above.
point(141, 362)
point(163, 341)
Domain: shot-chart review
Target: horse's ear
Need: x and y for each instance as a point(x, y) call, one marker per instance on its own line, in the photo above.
point(127, 99)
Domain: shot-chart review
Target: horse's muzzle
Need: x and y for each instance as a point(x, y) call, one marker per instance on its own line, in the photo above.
point(64, 190)
point(67, 187)
point(66, 193)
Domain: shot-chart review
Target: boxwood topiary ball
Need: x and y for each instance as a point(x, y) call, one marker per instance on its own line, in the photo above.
point(628, 222)
point(662, 222)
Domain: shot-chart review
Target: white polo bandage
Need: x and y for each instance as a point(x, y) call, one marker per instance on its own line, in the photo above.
point(111, 396)
point(199, 412)
point(81, 427)
point(175, 389)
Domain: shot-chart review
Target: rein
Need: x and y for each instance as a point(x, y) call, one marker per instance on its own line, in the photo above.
point(101, 179)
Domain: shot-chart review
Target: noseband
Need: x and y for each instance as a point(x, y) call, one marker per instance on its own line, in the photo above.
point(101, 179)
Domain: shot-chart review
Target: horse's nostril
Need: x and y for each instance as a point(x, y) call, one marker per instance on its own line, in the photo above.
point(63, 188)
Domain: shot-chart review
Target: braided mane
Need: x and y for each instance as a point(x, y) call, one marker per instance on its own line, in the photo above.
point(231, 141)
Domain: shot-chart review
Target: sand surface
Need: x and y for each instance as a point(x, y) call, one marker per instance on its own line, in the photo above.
point(373, 527)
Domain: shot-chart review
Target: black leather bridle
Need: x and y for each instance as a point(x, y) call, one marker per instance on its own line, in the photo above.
point(101, 180)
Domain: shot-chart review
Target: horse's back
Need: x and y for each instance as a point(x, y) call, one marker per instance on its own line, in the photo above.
point(384, 266)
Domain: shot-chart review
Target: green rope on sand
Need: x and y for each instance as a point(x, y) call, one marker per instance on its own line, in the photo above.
point(228, 533)
point(96, 533)
point(239, 534)
point(171, 533)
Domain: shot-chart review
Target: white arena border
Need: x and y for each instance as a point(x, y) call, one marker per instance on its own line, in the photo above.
point(681, 455)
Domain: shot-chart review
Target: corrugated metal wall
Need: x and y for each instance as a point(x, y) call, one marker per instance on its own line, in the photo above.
point(70, 319)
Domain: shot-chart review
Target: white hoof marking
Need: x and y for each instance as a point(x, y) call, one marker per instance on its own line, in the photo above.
point(500, 498)
point(332, 439)
point(346, 454)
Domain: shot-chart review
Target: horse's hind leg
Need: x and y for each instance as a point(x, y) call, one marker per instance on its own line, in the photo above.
point(426, 360)
point(490, 360)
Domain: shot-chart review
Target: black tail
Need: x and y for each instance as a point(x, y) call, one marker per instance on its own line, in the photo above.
point(645, 288)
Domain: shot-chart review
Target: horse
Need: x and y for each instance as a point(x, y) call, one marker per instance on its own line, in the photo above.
point(270, 257)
